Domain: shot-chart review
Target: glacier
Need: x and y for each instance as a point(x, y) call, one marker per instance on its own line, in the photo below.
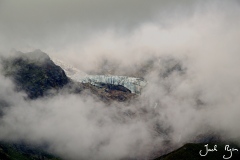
point(135, 85)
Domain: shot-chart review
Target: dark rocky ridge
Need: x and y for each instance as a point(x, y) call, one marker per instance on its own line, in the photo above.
point(108, 93)
point(191, 152)
point(34, 72)
point(23, 152)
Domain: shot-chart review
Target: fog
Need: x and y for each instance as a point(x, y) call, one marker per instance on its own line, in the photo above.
point(200, 97)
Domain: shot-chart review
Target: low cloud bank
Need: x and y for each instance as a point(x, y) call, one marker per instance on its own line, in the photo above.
point(193, 89)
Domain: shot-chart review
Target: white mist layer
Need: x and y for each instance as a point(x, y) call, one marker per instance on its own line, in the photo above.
point(201, 99)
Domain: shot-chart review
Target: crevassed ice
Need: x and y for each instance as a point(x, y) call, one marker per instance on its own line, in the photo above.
point(135, 85)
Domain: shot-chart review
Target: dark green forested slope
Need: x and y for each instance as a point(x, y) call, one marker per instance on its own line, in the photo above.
point(10, 151)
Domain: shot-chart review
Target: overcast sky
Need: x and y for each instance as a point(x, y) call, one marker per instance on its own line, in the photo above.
point(55, 22)
point(65, 27)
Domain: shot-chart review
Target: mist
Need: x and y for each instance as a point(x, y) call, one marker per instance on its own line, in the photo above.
point(198, 97)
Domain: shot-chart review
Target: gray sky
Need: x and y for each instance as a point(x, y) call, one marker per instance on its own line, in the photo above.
point(55, 22)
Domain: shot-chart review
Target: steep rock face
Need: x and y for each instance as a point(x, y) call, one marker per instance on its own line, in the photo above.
point(109, 93)
point(34, 72)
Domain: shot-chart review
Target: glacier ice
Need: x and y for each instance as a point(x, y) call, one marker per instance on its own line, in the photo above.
point(134, 84)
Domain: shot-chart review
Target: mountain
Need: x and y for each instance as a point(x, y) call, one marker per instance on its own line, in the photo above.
point(35, 73)
point(12, 151)
point(191, 152)
point(38, 75)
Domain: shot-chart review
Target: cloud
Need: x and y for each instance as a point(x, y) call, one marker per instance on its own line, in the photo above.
point(190, 60)
point(42, 24)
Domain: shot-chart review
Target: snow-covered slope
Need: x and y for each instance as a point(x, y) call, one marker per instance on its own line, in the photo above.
point(70, 71)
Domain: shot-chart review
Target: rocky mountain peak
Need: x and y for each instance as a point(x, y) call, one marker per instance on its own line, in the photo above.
point(34, 72)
